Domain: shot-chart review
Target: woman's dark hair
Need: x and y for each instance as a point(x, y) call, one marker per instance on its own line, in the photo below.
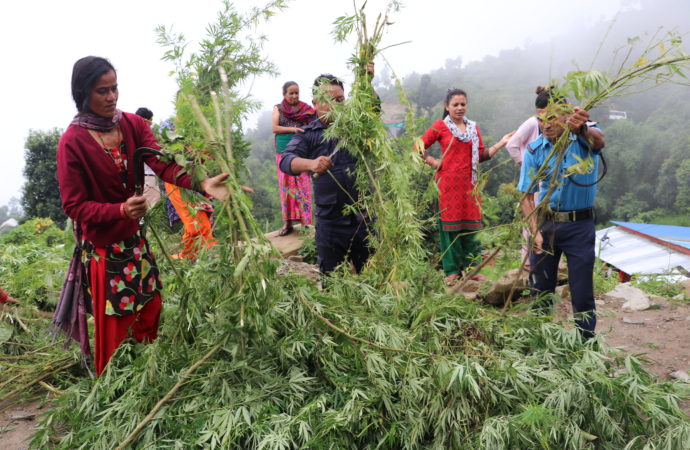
point(325, 79)
point(287, 85)
point(452, 93)
point(544, 95)
point(85, 73)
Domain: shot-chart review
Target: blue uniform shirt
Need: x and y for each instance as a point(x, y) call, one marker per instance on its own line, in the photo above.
point(566, 196)
point(330, 198)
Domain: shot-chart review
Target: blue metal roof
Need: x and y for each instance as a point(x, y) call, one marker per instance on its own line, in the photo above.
point(633, 253)
point(670, 233)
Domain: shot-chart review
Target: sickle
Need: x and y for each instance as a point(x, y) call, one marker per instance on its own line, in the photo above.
point(139, 167)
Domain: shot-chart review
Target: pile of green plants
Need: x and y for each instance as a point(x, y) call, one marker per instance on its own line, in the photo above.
point(385, 359)
point(33, 261)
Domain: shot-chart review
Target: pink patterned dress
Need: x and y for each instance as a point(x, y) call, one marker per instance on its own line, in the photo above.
point(295, 192)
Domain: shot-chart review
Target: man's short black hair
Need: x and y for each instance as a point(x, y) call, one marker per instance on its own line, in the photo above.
point(325, 79)
point(145, 113)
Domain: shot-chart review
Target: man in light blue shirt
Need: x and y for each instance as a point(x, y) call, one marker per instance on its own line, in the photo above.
point(564, 222)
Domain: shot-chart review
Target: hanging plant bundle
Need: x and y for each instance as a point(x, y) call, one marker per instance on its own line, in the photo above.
point(250, 359)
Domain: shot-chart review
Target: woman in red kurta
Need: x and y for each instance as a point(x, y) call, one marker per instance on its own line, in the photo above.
point(96, 176)
point(462, 150)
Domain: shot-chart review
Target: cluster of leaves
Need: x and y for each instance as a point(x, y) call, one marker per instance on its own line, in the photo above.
point(29, 357)
point(33, 260)
point(308, 248)
point(321, 369)
point(660, 286)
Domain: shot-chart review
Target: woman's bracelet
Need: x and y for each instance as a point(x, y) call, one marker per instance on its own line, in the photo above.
point(123, 214)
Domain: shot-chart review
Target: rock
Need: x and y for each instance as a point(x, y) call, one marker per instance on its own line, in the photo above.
point(296, 258)
point(678, 297)
point(25, 415)
point(563, 291)
point(635, 299)
point(514, 280)
point(680, 375)
point(599, 302)
point(633, 321)
point(468, 290)
point(287, 245)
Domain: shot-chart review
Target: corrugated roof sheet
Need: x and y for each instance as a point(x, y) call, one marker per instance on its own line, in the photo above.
point(635, 254)
point(670, 233)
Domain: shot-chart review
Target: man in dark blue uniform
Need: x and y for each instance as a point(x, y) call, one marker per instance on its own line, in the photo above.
point(341, 232)
point(567, 226)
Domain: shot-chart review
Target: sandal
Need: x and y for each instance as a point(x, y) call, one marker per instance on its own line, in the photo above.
point(285, 231)
point(450, 280)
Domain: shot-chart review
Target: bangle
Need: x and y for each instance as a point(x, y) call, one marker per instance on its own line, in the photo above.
point(123, 214)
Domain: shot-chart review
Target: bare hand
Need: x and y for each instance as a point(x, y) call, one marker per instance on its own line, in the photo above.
point(370, 69)
point(298, 129)
point(433, 162)
point(135, 207)
point(9, 300)
point(577, 119)
point(504, 140)
point(537, 244)
point(247, 189)
point(215, 186)
point(321, 164)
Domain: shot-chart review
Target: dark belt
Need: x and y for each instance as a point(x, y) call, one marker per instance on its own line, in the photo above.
point(570, 216)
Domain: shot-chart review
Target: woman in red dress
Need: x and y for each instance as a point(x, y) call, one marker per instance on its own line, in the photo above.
point(96, 176)
point(462, 150)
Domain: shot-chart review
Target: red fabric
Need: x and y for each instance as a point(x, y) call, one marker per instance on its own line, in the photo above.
point(90, 184)
point(295, 195)
point(456, 201)
point(110, 331)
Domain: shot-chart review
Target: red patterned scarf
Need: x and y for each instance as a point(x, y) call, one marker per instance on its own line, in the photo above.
point(300, 113)
point(98, 123)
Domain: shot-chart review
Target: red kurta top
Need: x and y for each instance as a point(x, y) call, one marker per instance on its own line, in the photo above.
point(460, 208)
point(90, 184)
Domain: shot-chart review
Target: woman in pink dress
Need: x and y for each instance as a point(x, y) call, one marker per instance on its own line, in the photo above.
point(295, 192)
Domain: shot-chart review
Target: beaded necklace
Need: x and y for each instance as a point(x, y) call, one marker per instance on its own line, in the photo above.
point(118, 154)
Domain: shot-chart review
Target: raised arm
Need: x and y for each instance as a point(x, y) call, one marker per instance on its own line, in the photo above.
point(577, 123)
point(491, 151)
point(518, 141)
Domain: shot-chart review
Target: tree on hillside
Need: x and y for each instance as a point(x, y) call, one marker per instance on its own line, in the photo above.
point(683, 179)
point(40, 194)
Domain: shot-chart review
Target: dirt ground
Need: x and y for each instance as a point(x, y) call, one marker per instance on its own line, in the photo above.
point(18, 423)
point(661, 334)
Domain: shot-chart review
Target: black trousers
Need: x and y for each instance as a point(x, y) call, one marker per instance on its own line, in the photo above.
point(337, 243)
point(576, 241)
